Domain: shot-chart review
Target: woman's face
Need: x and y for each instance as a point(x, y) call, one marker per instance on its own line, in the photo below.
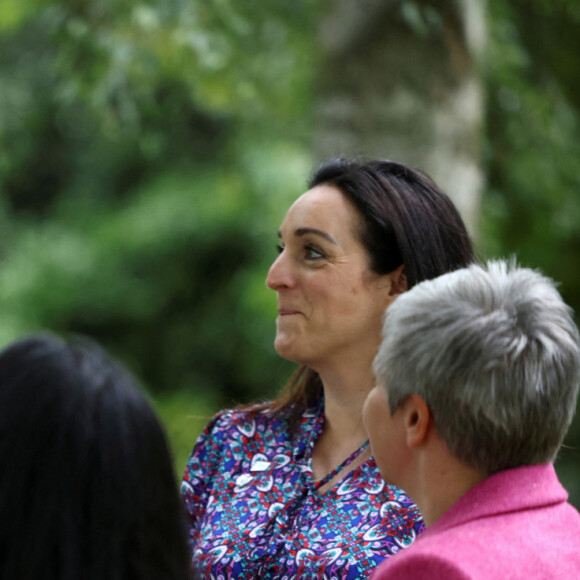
point(330, 305)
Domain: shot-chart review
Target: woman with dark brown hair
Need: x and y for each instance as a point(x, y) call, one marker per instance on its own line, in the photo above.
point(289, 489)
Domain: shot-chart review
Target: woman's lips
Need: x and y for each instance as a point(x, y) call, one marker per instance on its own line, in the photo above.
point(286, 312)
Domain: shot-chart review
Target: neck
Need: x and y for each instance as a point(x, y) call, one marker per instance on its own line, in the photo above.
point(344, 395)
point(441, 481)
point(345, 392)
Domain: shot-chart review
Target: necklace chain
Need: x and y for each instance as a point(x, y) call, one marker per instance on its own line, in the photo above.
point(323, 480)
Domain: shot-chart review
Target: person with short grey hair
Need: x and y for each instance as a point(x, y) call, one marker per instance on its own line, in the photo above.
point(477, 381)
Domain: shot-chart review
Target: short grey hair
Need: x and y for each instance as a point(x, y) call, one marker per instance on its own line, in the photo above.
point(494, 352)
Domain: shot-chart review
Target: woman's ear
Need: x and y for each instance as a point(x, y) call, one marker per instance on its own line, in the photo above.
point(417, 417)
point(398, 281)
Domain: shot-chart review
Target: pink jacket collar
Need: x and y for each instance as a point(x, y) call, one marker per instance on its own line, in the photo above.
point(537, 485)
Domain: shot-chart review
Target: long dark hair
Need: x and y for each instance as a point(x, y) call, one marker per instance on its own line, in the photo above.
point(404, 219)
point(87, 488)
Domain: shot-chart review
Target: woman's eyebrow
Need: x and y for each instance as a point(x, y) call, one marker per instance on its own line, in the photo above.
point(299, 232)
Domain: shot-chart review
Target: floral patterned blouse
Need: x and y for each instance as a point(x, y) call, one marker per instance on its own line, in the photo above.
point(254, 511)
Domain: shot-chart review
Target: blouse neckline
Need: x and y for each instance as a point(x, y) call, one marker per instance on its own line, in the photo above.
point(311, 442)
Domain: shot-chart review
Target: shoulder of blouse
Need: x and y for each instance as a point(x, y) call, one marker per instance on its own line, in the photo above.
point(263, 413)
point(252, 419)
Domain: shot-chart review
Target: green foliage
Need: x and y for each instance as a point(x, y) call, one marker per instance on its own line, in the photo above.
point(533, 203)
point(532, 206)
point(114, 56)
point(184, 415)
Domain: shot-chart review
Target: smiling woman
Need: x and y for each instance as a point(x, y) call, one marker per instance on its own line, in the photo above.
point(329, 301)
point(289, 488)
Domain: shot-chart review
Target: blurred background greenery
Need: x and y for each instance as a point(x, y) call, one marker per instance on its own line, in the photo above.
point(149, 150)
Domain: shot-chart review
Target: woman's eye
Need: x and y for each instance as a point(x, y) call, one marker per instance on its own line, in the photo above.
point(313, 254)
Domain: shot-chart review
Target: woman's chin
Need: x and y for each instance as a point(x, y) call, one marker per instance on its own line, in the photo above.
point(286, 349)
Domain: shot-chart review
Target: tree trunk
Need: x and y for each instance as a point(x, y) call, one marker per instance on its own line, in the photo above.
point(399, 79)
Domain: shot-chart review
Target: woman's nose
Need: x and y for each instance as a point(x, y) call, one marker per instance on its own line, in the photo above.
point(279, 275)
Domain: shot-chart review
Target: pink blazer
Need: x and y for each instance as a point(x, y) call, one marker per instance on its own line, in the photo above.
point(514, 524)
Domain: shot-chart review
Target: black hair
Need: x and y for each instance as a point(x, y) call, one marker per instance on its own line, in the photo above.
point(87, 487)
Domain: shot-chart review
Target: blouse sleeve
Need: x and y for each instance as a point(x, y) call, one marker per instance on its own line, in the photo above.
point(204, 464)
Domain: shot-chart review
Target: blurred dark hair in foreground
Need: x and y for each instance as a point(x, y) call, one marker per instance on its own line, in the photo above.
point(87, 489)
